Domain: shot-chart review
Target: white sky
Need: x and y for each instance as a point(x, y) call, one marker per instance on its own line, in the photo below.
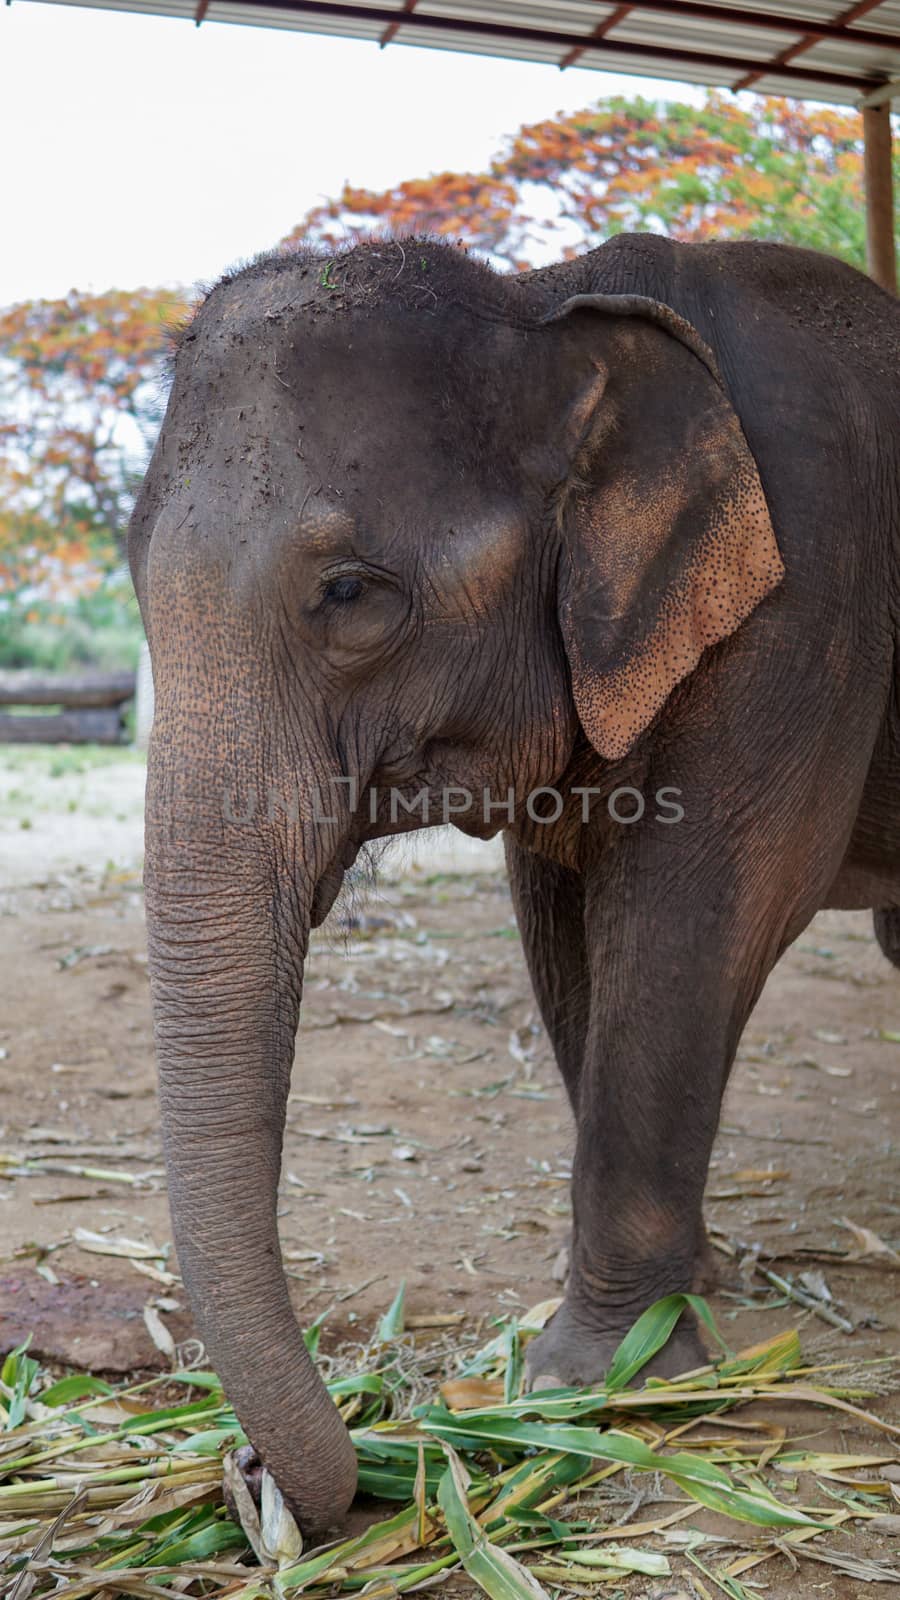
point(144, 150)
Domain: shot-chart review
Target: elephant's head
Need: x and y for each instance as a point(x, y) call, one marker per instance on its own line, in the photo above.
point(407, 523)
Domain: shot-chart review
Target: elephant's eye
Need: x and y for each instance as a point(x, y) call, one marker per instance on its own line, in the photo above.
point(342, 591)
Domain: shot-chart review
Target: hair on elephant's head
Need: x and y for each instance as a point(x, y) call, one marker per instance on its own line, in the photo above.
point(407, 525)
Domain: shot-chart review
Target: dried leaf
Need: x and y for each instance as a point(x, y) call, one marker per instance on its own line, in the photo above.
point(280, 1538)
point(242, 1500)
point(540, 1315)
point(759, 1174)
point(869, 1243)
point(463, 1394)
point(107, 1244)
point(158, 1331)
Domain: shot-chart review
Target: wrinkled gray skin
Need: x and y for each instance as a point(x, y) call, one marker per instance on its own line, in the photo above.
point(400, 527)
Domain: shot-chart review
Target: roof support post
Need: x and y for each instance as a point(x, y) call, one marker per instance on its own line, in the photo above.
point(879, 181)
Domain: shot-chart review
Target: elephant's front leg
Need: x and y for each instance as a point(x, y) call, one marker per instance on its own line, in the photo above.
point(549, 906)
point(675, 970)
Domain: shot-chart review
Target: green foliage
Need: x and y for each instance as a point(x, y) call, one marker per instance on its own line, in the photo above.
point(100, 629)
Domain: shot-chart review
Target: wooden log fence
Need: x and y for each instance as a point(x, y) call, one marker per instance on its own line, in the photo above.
point(84, 708)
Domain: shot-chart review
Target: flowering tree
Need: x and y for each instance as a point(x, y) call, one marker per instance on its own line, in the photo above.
point(774, 169)
point(80, 400)
point(80, 392)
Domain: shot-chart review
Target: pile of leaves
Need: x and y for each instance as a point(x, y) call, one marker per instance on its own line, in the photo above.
point(100, 1495)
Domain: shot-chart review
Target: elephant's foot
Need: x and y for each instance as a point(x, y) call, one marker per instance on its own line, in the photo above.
point(706, 1276)
point(570, 1354)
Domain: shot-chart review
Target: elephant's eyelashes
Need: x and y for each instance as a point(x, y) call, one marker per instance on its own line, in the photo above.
point(342, 591)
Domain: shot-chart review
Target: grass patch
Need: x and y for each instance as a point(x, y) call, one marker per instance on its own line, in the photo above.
point(101, 630)
point(118, 1490)
point(66, 760)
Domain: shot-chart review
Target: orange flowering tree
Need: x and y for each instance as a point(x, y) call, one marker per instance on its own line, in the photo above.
point(472, 207)
point(80, 400)
point(80, 388)
point(767, 168)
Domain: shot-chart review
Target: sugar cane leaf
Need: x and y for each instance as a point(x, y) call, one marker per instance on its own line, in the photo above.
point(313, 1333)
point(359, 1383)
point(779, 1354)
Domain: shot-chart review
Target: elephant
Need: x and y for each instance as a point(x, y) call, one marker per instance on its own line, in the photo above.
point(414, 528)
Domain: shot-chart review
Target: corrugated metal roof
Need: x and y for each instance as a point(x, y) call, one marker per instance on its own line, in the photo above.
point(811, 49)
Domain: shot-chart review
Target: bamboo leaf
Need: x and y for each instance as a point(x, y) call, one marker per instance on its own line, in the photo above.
point(494, 1570)
point(211, 1441)
point(77, 1387)
point(280, 1538)
point(650, 1333)
point(313, 1333)
point(703, 1480)
point(778, 1354)
point(242, 1500)
point(391, 1325)
point(512, 1351)
point(622, 1558)
point(17, 1374)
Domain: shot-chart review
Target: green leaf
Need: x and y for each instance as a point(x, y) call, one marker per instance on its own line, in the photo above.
point(622, 1558)
point(494, 1570)
point(512, 1349)
point(211, 1441)
point(199, 1380)
point(18, 1374)
point(182, 1416)
point(306, 1572)
point(313, 1333)
point(200, 1546)
point(77, 1387)
point(651, 1332)
point(359, 1383)
point(391, 1325)
point(702, 1480)
point(779, 1354)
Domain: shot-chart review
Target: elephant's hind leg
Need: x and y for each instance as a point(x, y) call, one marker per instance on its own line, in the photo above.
point(887, 932)
point(549, 904)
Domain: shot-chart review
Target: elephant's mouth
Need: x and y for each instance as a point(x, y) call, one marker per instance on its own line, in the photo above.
point(329, 885)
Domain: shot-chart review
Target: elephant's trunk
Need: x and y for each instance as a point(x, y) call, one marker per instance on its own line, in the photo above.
point(228, 906)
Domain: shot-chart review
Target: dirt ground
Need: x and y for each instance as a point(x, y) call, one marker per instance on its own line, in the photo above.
point(428, 1137)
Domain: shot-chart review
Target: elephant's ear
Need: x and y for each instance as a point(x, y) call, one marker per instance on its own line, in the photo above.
point(668, 545)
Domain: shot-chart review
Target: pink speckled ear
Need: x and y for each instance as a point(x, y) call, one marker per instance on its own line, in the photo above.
point(668, 544)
